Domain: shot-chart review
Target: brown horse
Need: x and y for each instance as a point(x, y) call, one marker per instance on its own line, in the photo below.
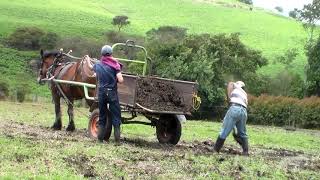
point(53, 66)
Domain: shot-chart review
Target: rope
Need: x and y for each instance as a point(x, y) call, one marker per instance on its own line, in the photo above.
point(70, 56)
point(196, 101)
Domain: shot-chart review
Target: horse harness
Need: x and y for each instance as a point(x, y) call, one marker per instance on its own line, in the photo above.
point(62, 69)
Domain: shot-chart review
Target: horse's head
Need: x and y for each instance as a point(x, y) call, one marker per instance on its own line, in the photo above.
point(47, 59)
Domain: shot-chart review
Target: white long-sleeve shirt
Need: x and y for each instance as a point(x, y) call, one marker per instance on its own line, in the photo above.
point(238, 96)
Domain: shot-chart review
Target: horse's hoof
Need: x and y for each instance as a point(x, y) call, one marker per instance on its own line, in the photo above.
point(56, 127)
point(71, 128)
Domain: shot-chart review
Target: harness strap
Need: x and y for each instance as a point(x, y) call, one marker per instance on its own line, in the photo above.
point(62, 71)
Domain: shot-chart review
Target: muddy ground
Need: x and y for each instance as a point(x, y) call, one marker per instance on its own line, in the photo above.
point(84, 164)
point(159, 95)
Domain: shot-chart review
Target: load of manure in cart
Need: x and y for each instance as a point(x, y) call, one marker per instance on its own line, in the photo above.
point(159, 95)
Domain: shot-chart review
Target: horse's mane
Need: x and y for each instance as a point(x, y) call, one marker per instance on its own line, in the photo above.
point(50, 53)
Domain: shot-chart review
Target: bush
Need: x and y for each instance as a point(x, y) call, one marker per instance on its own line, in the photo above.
point(49, 40)
point(21, 94)
point(4, 89)
point(284, 111)
point(113, 37)
point(167, 34)
point(22, 87)
point(25, 38)
point(80, 46)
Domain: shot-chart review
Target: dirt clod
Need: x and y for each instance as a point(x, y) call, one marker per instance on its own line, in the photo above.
point(81, 164)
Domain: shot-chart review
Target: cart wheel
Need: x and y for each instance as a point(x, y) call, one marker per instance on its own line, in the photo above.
point(93, 125)
point(168, 129)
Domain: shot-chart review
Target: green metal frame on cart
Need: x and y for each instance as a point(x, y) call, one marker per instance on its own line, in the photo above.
point(131, 44)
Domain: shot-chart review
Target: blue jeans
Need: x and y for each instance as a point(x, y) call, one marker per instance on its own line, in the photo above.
point(109, 97)
point(236, 117)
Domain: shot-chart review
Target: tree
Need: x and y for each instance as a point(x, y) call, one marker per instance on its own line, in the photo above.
point(312, 71)
point(279, 9)
point(246, 1)
point(211, 60)
point(120, 21)
point(288, 57)
point(287, 82)
point(294, 13)
point(309, 15)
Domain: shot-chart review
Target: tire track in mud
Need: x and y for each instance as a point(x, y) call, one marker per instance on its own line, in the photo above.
point(291, 160)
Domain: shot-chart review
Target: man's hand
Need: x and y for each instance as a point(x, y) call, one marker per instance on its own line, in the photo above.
point(119, 77)
point(229, 89)
point(87, 61)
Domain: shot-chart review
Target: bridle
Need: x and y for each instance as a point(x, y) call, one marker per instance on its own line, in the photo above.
point(56, 63)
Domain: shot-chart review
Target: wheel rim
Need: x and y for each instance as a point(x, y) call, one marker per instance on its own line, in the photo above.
point(94, 126)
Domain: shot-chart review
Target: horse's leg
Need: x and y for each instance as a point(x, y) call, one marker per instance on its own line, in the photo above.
point(58, 123)
point(71, 126)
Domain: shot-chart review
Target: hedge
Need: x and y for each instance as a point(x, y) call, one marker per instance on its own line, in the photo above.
point(284, 111)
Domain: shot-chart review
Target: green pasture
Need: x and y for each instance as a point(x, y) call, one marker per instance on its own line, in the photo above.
point(259, 29)
point(29, 149)
point(16, 71)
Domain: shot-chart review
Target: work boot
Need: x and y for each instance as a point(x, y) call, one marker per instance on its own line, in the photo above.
point(101, 133)
point(237, 138)
point(245, 147)
point(116, 132)
point(218, 145)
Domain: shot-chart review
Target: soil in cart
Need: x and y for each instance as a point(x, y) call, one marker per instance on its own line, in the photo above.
point(159, 95)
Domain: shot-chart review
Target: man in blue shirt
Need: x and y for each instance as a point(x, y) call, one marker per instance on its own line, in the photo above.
point(108, 75)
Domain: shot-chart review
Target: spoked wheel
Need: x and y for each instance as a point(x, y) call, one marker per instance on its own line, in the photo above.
point(168, 129)
point(93, 125)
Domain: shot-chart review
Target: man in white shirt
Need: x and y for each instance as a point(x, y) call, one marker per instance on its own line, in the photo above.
point(236, 117)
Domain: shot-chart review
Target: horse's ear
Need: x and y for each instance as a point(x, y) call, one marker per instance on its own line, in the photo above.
point(41, 52)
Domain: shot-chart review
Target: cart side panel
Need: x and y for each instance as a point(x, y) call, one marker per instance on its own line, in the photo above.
point(185, 88)
point(186, 91)
point(127, 90)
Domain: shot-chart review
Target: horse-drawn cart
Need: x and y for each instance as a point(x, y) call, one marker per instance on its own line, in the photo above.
point(163, 102)
point(166, 121)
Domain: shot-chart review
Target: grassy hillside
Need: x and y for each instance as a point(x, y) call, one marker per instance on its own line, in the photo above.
point(28, 150)
point(14, 68)
point(90, 18)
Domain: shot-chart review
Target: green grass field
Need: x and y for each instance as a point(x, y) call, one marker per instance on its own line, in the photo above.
point(259, 29)
point(29, 149)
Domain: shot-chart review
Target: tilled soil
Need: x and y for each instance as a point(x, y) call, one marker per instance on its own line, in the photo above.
point(84, 164)
point(158, 95)
point(11, 129)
